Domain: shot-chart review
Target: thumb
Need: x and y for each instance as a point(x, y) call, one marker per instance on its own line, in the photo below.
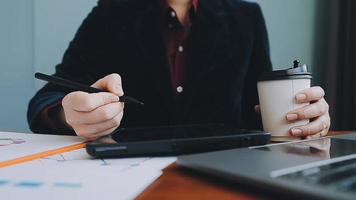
point(110, 83)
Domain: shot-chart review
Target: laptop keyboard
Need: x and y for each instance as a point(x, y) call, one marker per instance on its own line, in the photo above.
point(339, 176)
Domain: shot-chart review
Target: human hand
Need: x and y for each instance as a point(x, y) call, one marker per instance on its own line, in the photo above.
point(317, 112)
point(97, 114)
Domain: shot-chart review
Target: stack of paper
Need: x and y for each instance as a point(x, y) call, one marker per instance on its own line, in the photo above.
point(75, 175)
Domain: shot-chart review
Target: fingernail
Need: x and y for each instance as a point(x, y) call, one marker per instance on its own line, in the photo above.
point(292, 117)
point(300, 97)
point(115, 99)
point(296, 132)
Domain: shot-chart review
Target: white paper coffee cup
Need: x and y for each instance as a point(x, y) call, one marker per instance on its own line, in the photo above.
point(277, 91)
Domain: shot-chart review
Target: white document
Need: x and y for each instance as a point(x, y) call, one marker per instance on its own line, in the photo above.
point(80, 157)
point(75, 175)
point(15, 145)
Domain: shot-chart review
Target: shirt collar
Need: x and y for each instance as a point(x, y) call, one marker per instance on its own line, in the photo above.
point(195, 4)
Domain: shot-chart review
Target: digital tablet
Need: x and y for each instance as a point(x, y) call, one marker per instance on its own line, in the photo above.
point(173, 140)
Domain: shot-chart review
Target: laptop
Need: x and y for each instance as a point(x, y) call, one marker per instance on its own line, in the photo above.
point(173, 140)
point(322, 168)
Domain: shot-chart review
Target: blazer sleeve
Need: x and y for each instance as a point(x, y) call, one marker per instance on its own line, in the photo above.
point(260, 62)
point(79, 63)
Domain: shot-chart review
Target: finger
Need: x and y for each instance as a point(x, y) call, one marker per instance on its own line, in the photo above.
point(95, 130)
point(106, 132)
point(99, 115)
point(318, 135)
point(111, 83)
point(257, 108)
point(314, 127)
point(110, 130)
point(310, 111)
point(82, 101)
point(74, 99)
point(310, 94)
point(94, 101)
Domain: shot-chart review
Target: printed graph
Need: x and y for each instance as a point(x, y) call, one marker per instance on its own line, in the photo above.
point(78, 157)
point(10, 141)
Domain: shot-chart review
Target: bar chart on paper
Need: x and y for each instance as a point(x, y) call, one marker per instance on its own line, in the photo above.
point(42, 181)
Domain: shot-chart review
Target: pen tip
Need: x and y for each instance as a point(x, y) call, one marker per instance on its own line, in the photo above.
point(127, 99)
point(139, 102)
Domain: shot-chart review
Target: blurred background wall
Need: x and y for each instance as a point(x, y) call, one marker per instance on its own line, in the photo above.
point(33, 36)
point(35, 33)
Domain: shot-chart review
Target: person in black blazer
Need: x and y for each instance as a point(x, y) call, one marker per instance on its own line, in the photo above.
point(191, 62)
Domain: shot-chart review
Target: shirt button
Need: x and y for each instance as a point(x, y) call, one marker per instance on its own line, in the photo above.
point(170, 26)
point(173, 14)
point(180, 49)
point(179, 89)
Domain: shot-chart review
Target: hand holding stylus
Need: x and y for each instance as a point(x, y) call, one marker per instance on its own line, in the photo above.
point(93, 115)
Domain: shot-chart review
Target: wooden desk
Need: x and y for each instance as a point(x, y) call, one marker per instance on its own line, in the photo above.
point(177, 183)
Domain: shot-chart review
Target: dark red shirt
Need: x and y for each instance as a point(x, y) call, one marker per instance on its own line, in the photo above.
point(176, 38)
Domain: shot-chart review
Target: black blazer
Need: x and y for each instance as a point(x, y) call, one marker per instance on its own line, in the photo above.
point(229, 51)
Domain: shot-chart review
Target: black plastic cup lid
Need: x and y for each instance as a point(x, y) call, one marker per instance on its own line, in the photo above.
point(296, 72)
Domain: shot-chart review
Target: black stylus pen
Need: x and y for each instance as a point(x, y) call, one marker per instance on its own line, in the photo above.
point(80, 87)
